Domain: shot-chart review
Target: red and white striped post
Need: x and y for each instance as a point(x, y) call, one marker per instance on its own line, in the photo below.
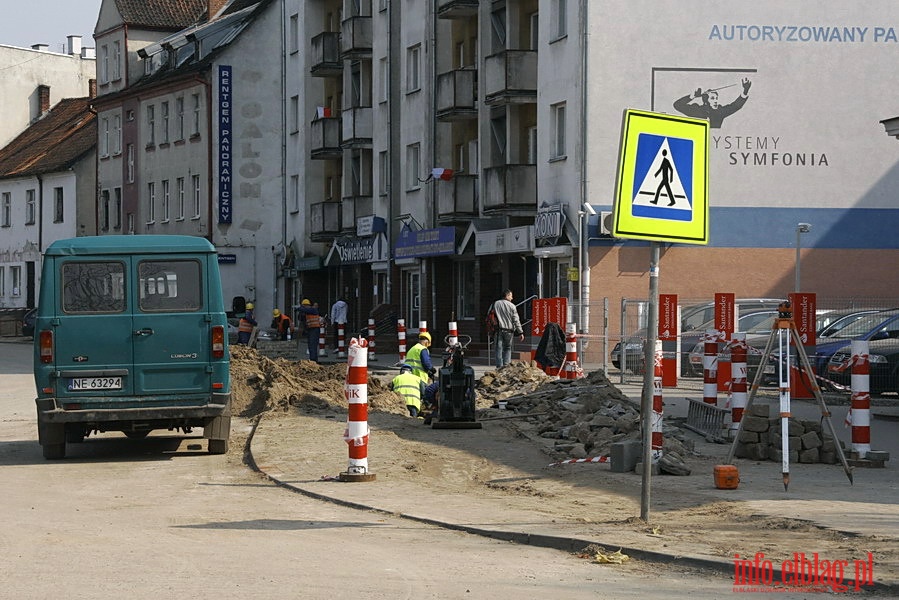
point(453, 337)
point(321, 342)
point(738, 349)
point(401, 338)
point(371, 339)
point(657, 403)
point(422, 326)
point(710, 367)
point(357, 430)
point(860, 409)
point(572, 369)
point(341, 340)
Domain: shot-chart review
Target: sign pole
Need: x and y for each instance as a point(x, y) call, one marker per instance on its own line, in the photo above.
point(652, 332)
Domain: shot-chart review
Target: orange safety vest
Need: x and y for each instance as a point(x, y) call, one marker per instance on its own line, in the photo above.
point(245, 326)
point(313, 321)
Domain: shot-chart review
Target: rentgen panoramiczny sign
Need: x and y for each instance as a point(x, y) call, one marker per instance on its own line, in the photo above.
point(663, 177)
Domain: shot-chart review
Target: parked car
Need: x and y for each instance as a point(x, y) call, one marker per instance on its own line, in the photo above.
point(28, 323)
point(883, 359)
point(755, 324)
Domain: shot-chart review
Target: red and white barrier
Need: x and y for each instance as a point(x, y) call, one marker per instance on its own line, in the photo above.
point(356, 391)
point(710, 367)
point(860, 410)
point(321, 341)
point(422, 326)
point(453, 337)
point(657, 403)
point(371, 339)
point(738, 372)
point(341, 340)
point(571, 461)
point(401, 337)
point(571, 370)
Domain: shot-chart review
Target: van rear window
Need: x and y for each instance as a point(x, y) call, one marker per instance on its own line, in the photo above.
point(170, 286)
point(93, 287)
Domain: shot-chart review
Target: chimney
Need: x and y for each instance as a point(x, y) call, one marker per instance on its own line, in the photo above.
point(92, 88)
point(40, 47)
point(43, 98)
point(73, 48)
point(214, 7)
point(89, 52)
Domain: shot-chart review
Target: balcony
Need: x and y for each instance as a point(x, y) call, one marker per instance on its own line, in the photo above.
point(510, 188)
point(324, 138)
point(356, 206)
point(457, 95)
point(457, 199)
point(356, 37)
point(511, 77)
point(326, 55)
point(324, 221)
point(357, 127)
point(456, 9)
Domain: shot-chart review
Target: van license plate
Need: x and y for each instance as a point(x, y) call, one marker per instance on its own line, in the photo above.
point(95, 383)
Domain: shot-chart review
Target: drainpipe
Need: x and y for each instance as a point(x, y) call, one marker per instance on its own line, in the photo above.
point(585, 250)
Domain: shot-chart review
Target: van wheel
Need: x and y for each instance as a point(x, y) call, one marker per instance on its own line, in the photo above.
point(218, 446)
point(137, 435)
point(54, 451)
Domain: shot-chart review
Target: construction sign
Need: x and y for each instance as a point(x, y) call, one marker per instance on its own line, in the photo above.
point(663, 174)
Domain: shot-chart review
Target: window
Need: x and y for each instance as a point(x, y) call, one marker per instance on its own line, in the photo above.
point(294, 34)
point(151, 125)
point(169, 285)
point(179, 184)
point(179, 118)
point(117, 134)
point(466, 285)
point(384, 76)
point(2, 281)
point(413, 166)
point(195, 127)
point(164, 114)
point(115, 59)
point(413, 68)
point(196, 194)
point(151, 203)
point(92, 287)
point(104, 64)
point(383, 173)
point(117, 214)
point(165, 201)
point(558, 130)
point(130, 163)
point(104, 136)
point(294, 193)
point(130, 222)
point(294, 114)
point(6, 218)
point(16, 276)
point(104, 210)
point(535, 30)
point(30, 207)
point(58, 205)
point(560, 16)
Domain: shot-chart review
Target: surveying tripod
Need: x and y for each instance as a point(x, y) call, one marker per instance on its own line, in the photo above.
point(784, 331)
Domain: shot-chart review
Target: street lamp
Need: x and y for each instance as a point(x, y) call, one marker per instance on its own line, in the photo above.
point(583, 263)
point(800, 229)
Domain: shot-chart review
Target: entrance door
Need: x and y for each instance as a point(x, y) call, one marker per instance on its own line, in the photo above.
point(412, 281)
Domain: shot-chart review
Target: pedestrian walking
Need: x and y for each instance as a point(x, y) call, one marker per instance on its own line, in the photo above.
point(507, 325)
point(338, 319)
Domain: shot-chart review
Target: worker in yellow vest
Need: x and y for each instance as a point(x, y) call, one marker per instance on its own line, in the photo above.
point(410, 387)
point(419, 358)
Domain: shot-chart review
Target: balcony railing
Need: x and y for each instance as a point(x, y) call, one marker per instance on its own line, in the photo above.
point(457, 199)
point(356, 206)
point(356, 37)
point(510, 188)
point(357, 127)
point(511, 77)
point(326, 55)
point(457, 93)
point(456, 9)
point(324, 138)
point(324, 220)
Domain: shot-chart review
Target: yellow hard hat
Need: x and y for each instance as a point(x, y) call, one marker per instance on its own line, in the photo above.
point(425, 335)
point(250, 306)
point(306, 302)
point(276, 313)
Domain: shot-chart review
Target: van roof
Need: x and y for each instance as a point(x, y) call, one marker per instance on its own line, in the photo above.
point(128, 244)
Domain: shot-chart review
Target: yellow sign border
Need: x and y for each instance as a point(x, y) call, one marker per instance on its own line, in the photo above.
point(625, 224)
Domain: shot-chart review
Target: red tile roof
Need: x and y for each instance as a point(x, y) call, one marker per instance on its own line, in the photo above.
point(54, 143)
point(165, 14)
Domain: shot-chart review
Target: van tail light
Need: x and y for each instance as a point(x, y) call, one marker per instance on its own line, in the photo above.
point(46, 346)
point(218, 341)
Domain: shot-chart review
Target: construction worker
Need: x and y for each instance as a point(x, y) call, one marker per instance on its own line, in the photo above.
point(282, 324)
point(419, 357)
point(410, 387)
point(313, 322)
point(246, 325)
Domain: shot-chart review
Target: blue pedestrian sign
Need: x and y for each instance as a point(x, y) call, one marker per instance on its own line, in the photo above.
point(662, 190)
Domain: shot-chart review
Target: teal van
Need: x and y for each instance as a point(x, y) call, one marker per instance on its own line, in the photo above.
point(131, 336)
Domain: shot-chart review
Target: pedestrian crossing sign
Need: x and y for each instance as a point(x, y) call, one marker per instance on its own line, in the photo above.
point(663, 176)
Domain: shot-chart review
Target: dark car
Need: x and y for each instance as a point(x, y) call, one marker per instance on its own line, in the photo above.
point(883, 359)
point(28, 323)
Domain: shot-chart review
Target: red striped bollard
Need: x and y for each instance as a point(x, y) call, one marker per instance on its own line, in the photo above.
point(738, 380)
point(710, 367)
point(860, 410)
point(341, 340)
point(657, 403)
point(321, 342)
point(371, 339)
point(571, 366)
point(357, 431)
point(401, 337)
point(453, 338)
point(422, 326)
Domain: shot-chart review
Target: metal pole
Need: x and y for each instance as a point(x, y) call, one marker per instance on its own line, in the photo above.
point(652, 333)
point(798, 242)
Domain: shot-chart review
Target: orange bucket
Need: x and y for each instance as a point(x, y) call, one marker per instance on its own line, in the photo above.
point(726, 477)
